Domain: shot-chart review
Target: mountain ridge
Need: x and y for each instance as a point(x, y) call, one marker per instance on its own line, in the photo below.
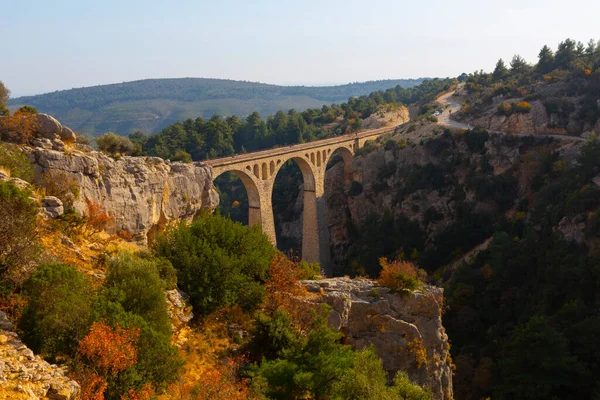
point(151, 104)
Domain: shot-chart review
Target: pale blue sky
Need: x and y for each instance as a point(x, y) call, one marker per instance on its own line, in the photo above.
point(61, 44)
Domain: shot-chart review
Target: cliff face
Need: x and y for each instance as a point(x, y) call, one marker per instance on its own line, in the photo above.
point(405, 329)
point(24, 375)
point(141, 194)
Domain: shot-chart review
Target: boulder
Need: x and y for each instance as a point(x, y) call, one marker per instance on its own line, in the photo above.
point(67, 135)
point(48, 126)
point(52, 206)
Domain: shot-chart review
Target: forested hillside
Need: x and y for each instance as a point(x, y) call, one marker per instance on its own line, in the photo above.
point(150, 105)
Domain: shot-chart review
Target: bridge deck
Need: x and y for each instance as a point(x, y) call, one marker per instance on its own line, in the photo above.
point(278, 151)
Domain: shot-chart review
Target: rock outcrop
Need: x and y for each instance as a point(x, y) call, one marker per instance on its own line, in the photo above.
point(405, 329)
point(141, 194)
point(26, 376)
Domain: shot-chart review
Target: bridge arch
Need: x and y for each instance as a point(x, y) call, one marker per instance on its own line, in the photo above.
point(252, 191)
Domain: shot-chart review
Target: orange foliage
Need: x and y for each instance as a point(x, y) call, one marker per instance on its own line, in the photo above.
point(587, 71)
point(92, 385)
point(220, 383)
point(20, 127)
point(393, 268)
point(110, 350)
point(123, 234)
point(97, 218)
point(145, 393)
point(284, 292)
point(13, 305)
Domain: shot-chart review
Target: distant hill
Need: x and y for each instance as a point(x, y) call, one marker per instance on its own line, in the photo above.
point(152, 104)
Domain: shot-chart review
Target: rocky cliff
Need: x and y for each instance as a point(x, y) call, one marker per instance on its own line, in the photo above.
point(405, 329)
point(26, 376)
point(141, 194)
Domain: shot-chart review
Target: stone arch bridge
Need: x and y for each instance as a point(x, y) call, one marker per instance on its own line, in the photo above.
point(258, 170)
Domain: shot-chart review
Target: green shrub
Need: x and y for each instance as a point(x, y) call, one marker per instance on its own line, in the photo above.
point(309, 367)
point(19, 246)
point(369, 147)
point(59, 312)
point(136, 284)
point(16, 162)
point(219, 262)
point(114, 144)
point(367, 380)
point(28, 110)
point(309, 270)
point(183, 156)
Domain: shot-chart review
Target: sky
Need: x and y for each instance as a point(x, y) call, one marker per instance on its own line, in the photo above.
point(64, 44)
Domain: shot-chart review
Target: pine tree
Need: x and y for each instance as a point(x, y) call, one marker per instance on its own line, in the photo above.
point(500, 72)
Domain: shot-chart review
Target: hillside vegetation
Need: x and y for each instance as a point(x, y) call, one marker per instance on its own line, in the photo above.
point(507, 224)
point(152, 104)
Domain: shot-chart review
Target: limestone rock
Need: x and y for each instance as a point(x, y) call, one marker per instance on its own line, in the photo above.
point(141, 194)
point(66, 134)
point(20, 183)
point(24, 375)
point(53, 206)
point(401, 327)
point(42, 142)
point(48, 126)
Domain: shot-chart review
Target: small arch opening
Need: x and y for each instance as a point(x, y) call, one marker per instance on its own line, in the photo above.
point(265, 175)
point(271, 168)
point(256, 171)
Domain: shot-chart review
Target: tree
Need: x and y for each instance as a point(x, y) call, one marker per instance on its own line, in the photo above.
point(4, 95)
point(59, 312)
point(518, 65)
point(500, 72)
point(566, 54)
point(537, 364)
point(545, 60)
point(136, 284)
point(219, 262)
point(19, 246)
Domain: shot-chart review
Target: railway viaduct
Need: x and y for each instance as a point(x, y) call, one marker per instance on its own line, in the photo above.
point(258, 170)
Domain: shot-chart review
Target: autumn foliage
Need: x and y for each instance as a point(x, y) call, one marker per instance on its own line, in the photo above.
point(97, 218)
point(284, 292)
point(399, 275)
point(20, 127)
point(110, 350)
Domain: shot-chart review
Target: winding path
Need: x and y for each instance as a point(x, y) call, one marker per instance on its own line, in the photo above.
point(454, 107)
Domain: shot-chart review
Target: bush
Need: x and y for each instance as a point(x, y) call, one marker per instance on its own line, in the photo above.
point(182, 156)
point(400, 275)
point(522, 107)
point(19, 246)
point(16, 162)
point(369, 147)
point(219, 262)
point(367, 380)
point(114, 144)
point(59, 311)
point(135, 282)
point(28, 110)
